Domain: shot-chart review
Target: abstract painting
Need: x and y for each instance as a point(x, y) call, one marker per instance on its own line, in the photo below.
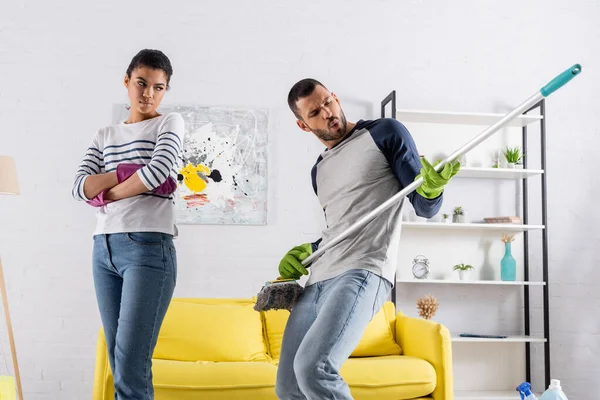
point(223, 169)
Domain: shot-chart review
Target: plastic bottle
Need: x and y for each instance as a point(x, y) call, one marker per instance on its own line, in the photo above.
point(524, 390)
point(554, 392)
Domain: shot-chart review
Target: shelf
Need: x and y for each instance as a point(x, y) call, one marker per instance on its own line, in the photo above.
point(471, 226)
point(488, 395)
point(474, 282)
point(508, 339)
point(497, 173)
point(441, 117)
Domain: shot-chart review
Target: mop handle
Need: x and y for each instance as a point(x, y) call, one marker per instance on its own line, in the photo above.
point(548, 89)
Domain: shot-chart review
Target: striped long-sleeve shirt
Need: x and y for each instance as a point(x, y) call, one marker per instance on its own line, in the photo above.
point(154, 143)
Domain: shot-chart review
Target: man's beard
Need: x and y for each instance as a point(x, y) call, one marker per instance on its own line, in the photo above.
point(327, 135)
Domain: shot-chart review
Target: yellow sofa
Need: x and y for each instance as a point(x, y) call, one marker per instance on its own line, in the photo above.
point(221, 349)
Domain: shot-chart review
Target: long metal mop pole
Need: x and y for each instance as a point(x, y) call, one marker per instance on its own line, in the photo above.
point(545, 91)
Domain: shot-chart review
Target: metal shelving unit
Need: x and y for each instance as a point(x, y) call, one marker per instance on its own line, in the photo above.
point(523, 121)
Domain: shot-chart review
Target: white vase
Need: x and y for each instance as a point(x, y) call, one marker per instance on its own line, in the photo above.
point(447, 220)
point(458, 218)
point(511, 165)
point(463, 275)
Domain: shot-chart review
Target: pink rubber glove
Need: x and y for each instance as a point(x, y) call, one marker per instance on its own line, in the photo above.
point(99, 201)
point(125, 170)
point(167, 188)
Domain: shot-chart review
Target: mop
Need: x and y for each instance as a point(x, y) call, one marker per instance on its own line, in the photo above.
point(282, 294)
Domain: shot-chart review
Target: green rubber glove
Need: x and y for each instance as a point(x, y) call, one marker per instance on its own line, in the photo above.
point(290, 266)
point(433, 182)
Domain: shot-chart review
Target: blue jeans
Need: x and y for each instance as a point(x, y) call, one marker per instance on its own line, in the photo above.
point(323, 329)
point(134, 276)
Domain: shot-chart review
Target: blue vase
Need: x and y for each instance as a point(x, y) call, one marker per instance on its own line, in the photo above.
point(508, 266)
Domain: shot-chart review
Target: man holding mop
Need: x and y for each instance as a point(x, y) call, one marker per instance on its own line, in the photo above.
point(364, 164)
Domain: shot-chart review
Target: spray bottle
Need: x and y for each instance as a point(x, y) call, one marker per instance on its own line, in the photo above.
point(524, 390)
point(554, 391)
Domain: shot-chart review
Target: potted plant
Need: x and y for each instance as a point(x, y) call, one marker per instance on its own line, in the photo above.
point(513, 156)
point(446, 218)
point(459, 215)
point(462, 270)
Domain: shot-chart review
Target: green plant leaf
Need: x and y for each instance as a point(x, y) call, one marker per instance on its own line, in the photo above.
point(512, 154)
point(462, 267)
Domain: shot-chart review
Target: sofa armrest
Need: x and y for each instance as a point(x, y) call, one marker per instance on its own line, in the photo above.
point(102, 382)
point(430, 341)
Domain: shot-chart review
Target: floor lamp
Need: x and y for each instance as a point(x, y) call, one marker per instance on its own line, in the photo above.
point(9, 185)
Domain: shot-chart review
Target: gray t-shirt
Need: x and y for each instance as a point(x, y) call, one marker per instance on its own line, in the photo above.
point(375, 161)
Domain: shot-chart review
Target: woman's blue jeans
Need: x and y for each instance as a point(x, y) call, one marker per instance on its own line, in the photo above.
point(134, 276)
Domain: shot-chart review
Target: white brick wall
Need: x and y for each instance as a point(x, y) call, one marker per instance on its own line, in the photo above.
point(61, 66)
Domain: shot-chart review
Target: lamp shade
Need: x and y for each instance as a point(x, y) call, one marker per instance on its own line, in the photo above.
point(8, 176)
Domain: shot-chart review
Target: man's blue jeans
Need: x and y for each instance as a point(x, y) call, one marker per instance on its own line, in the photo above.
point(323, 329)
point(134, 276)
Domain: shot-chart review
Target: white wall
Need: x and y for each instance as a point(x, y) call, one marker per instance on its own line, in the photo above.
point(61, 67)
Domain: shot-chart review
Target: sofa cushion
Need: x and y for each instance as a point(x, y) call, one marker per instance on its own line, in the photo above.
point(378, 339)
point(177, 380)
point(211, 332)
point(275, 321)
point(389, 377)
point(214, 375)
point(376, 378)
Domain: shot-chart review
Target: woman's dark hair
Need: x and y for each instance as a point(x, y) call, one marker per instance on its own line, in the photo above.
point(154, 59)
